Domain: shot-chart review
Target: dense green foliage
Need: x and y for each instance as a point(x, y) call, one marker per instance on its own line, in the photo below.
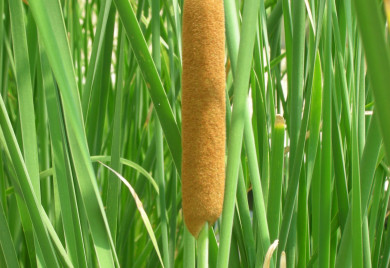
point(90, 142)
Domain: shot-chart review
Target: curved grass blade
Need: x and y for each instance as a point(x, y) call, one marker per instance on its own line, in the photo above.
point(102, 158)
point(141, 210)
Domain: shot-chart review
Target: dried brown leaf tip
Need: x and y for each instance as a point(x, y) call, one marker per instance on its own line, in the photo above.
point(270, 251)
point(283, 262)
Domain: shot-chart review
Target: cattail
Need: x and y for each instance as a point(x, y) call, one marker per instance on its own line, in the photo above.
point(203, 112)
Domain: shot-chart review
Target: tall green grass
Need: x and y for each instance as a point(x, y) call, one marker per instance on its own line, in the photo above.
point(90, 143)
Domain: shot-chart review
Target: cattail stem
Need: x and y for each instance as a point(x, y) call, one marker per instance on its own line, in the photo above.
point(189, 249)
point(203, 247)
point(203, 112)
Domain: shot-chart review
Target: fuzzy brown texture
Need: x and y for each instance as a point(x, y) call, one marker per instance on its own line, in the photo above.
point(203, 112)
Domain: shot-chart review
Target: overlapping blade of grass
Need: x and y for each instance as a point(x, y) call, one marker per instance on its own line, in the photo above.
point(246, 230)
point(276, 178)
point(6, 244)
point(293, 179)
point(173, 71)
point(113, 188)
point(47, 196)
point(367, 169)
point(25, 93)
point(142, 212)
point(2, 39)
point(96, 54)
point(315, 118)
point(26, 112)
point(378, 61)
point(237, 125)
point(302, 221)
point(296, 99)
point(379, 248)
point(128, 211)
point(152, 79)
point(326, 158)
point(288, 44)
point(60, 250)
point(62, 170)
point(131, 164)
point(26, 187)
point(52, 31)
point(95, 119)
point(232, 32)
point(357, 240)
point(156, 53)
point(258, 200)
point(375, 199)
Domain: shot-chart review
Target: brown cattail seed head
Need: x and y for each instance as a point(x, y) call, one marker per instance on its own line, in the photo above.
point(203, 112)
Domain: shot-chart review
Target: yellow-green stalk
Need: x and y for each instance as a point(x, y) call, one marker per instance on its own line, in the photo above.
point(203, 112)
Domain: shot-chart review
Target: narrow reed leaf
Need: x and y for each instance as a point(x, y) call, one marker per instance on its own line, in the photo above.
point(64, 258)
point(326, 157)
point(53, 33)
point(315, 118)
point(298, 17)
point(237, 126)
point(367, 170)
point(61, 169)
point(357, 239)
point(152, 79)
point(245, 217)
point(96, 54)
point(293, 184)
point(141, 210)
point(275, 188)
point(378, 64)
point(26, 187)
point(258, 199)
point(380, 232)
point(114, 185)
point(25, 94)
point(339, 168)
point(262, 234)
point(6, 244)
point(213, 248)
